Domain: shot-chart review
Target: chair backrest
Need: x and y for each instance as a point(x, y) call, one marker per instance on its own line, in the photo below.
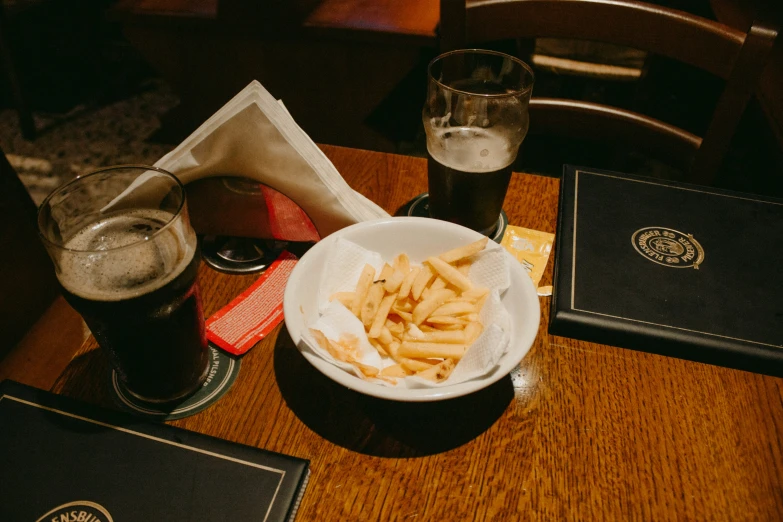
point(736, 56)
point(27, 281)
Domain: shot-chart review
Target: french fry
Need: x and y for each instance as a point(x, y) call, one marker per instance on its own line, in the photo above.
point(362, 287)
point(380, 316)
point(423, 350)
point(455, 308)
point(341, 352)
point(462, 299)
point(450, 274)
point(440, 372)
point(366, 369)
point(446, 319)
point(396, 370)
point(436, 284)
point(472, 331)
point(394, 281)
point(405, 286)
point(393, 349)
point(480, 302)
point(346, 298)
point(423, 317)
point(405, 316)
point(373, 301)
point(476, 292)
point(428, 305)
point(415, 365)
point(321, 339)
point(335, 350)
point(403, 306)
point(382, 351)
point(402, 263)
point(422, 280)
point(464, 251)
point(450, 327)
point(441, 336)
point(395, 328)
point(385, 337)
point(386, 272)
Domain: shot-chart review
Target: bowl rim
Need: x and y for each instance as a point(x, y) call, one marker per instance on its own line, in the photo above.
point(521, 340)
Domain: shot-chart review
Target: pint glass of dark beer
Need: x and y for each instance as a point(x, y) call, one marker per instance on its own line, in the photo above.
point(126, 257)
point(475, 118)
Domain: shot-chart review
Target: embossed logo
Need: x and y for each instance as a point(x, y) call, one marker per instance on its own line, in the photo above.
point(79, 511)
point(668, 247)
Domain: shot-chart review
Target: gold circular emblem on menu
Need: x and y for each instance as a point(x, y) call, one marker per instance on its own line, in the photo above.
point(668, 247)
point(78, 511)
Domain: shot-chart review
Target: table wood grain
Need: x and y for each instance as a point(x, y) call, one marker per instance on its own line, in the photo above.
point(578, 431)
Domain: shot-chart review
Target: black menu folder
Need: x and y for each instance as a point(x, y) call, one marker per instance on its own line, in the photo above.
point(62, 459)
point(670, 268)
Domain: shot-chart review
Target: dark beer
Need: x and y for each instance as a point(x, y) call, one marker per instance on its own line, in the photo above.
point(468, 175)
point(142, 302)
point(470, 199)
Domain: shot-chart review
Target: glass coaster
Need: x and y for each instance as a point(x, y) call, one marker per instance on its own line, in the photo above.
point(419, 207)
point(223, 371)
point(239, 255)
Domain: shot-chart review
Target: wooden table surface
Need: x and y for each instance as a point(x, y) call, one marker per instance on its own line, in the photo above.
point(578, 432)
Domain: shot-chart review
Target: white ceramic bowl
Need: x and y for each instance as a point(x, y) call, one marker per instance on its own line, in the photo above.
point(419, 238)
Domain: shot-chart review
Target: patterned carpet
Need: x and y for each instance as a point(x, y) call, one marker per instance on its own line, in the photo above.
point(86, 138)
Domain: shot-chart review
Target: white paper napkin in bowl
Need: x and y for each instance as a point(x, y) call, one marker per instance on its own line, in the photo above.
point(343, 265)
point(253, 136)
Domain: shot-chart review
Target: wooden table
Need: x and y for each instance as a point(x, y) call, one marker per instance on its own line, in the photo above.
point(578, 432)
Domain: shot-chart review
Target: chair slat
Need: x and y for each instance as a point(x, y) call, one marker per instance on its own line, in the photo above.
point(703, 43)
point(733, 55)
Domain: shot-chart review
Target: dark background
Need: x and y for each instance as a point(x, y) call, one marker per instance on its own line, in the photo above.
point(74, 57)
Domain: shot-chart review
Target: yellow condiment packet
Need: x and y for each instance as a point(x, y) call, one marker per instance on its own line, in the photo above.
point(530, 247)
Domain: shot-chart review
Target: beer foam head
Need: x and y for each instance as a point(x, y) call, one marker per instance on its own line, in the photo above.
point(126, 255)
point(471, 149)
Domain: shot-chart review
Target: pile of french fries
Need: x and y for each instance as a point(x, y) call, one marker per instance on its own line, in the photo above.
point(423, 317)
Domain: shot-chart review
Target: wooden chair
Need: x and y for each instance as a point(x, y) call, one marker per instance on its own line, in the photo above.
point(31, 310)
point(735, 56)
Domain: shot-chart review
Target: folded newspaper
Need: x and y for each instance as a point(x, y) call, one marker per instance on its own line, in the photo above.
point(254, 137)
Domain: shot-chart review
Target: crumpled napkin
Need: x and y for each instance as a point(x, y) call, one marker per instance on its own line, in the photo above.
point(343, 265)
point(253, 136)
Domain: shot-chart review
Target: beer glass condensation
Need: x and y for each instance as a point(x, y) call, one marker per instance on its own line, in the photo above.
point(126, 258)
point(475, 118)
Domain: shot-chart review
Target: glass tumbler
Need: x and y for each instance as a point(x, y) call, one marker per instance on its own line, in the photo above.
point(475, 118)
point(126, 258)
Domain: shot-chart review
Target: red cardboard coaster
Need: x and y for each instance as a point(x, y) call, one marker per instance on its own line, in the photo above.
point(239, 325)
